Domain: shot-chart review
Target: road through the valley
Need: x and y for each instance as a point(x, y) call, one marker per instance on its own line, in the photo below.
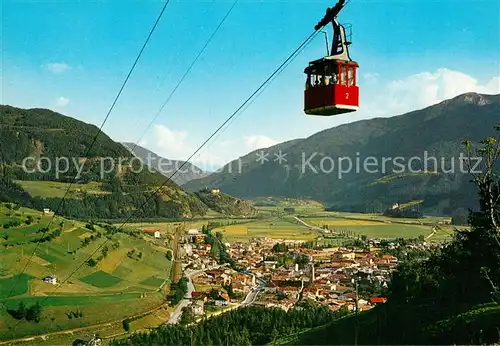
point(187, 298)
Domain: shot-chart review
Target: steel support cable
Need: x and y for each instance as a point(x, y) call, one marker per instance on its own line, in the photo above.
point(260, 92)
point(185, 74)
point(291, 57)
point(94, 140)
point(199, 148)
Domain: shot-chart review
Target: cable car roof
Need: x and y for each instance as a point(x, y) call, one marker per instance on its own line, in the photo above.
point(319, 65)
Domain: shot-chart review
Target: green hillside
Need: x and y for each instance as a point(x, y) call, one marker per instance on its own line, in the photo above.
point(123, 278)
point(225, 204)
point(109, 184)
point(436, 131)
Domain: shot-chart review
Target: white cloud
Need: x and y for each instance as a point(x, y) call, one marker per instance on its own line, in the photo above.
point(177, 145)
point(425, 89)
point(381, 97)
point(57, 67)
point(172, 143)
point(378, 99)
point(371, 76)
point(62, 101)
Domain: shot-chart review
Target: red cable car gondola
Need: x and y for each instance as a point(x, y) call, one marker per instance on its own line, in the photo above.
point(331, 81)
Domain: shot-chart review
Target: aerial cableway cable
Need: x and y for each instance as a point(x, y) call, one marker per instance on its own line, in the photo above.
point(287, 60)
point(341, 4)
point(185, 74)
point(94, 140)
point(260, 91)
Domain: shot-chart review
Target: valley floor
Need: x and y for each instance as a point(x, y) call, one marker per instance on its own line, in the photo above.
point(129, 279)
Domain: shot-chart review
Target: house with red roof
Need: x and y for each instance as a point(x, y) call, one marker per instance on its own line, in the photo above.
point(199, 296)
point(377, 300)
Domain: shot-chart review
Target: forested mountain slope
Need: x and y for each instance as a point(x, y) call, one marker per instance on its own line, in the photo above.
point(43, 151)
point(376, 162)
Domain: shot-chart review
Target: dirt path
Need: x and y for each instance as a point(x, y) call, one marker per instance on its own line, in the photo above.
point(315, 228)
point(71, 229)
point(434, 230)
point(79, 329)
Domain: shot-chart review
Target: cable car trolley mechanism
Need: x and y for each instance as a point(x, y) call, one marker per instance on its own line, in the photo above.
point(331, 81)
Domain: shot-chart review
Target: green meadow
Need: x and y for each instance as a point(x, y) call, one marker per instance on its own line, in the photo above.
point(123, 283)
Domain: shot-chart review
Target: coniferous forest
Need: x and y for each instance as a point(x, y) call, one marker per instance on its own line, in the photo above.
point(245, 326)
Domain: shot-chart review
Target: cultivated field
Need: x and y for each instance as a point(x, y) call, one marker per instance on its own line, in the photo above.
point(56, 189)
point(277, 205)
point(371, 225)
point(123, 283)
point(271, 228)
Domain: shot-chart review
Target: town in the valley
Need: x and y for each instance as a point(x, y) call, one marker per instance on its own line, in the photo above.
point(280, 273)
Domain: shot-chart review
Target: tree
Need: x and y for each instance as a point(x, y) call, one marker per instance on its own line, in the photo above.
point(487, 178)
point(229, 290)
point(126, 325)
point(301, 260)
point(187, 316)
point(215, 250)
point(486, 221)
point(34, 313)
point(274, 336)
point(343, 310)
point(219, 236)
point(280, 247)
point(281, 295)
point(169, 255)
point(214, 294)
point(466, 271)
point(21, 310)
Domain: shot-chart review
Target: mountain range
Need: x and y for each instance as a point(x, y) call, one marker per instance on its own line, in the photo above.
point(186, 171)
point(364, 166)
point(370, 164)
point(43, 152)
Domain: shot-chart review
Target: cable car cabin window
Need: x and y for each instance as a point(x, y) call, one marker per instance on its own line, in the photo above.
point(343, 74)
point(313, 81)
point(350, 75)
point(316, 79)
point(334, 74)
point(308, 82)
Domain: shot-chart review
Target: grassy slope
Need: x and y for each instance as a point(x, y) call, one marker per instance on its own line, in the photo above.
point(58, 189)
point(113, 289)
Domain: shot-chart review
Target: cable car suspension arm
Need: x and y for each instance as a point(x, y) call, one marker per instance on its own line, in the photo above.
point(331, 14)
point(338, 39)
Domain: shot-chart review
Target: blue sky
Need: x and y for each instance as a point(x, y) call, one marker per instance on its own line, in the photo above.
point(73, 56)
